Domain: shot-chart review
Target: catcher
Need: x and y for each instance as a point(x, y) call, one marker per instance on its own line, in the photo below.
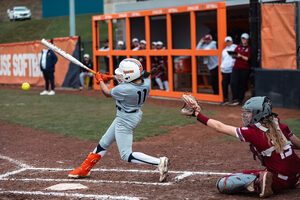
point(270, 140)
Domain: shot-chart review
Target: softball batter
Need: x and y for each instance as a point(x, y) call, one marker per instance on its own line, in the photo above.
point(130, 96)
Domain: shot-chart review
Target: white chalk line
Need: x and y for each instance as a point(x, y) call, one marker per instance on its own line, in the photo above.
point(85, 180)
point(20, 164)
point(12, 173)
point(63, 194)
point(132, 170)
point(24, 167)
point(183, 174)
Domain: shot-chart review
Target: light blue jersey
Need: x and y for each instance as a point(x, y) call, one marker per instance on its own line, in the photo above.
point(130, 96)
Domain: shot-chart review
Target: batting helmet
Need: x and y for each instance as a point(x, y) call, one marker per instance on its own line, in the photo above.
point(259, 107)
point(129, 69)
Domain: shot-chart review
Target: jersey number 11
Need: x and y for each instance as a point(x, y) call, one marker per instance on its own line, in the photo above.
point(140, 96)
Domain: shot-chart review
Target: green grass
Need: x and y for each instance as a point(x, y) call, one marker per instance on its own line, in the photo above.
point(82, 117)
point(36, 29)
point(294, 125)
point(88, 118)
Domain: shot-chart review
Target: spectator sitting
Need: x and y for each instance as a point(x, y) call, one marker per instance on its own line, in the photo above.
point(211, 61)
point(83, 72)
point(153, 45)
point(120, 46)
point(135, 43)
point(141, 46)
point(142, 59)
point(226, 67)
point(160, 45)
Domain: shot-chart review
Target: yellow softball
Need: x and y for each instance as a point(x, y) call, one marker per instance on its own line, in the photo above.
point(25, 86)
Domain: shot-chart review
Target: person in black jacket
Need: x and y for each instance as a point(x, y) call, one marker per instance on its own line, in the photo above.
point(83, 72)
point(47, 65)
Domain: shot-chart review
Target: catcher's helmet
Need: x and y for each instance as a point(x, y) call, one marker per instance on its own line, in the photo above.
point(259, 107)
point(129, 69)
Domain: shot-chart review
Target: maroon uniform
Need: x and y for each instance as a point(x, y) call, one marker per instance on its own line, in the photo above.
point(162, 64)
point(285, 166)
point(240, 63)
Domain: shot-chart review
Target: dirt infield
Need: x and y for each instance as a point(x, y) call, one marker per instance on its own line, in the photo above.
point(32, 160)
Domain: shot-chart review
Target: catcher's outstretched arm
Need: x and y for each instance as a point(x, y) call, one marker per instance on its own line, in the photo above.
point(192, 108)
point(217, 125)
point(221, 127)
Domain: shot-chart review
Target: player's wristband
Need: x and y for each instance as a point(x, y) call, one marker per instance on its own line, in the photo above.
point(202, 118)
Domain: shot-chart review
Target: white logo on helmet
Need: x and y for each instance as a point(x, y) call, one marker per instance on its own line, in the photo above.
point(129, 70)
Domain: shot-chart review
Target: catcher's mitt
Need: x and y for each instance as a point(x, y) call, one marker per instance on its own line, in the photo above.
point(191, 104)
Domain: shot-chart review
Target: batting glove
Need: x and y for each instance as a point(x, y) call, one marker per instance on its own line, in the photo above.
point(98, 77)
point(106, 77)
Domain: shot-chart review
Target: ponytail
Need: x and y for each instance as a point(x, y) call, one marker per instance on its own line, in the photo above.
point(274, 134)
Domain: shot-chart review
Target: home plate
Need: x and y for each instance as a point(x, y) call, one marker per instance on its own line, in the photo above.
point(66, 186)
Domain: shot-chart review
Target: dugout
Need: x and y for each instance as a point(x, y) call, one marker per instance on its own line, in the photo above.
point(179, 28)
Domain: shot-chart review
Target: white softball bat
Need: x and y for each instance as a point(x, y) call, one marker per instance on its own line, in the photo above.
point(65, 55)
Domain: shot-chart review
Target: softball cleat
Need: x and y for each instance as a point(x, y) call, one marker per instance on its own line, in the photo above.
point(163, 168)
point(86, 166)
point(78, 173)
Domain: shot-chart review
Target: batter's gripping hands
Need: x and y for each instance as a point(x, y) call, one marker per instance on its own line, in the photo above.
point(191, 104)
point(98, 77)
point(102, 77)
point(106, 77)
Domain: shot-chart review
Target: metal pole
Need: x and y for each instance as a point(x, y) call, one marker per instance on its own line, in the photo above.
point(72, 17)
point(297, 21)
point(254, 38)
point(255, 32)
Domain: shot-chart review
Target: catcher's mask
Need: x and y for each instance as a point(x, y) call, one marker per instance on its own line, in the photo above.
point(129, 70)
point(256, 109)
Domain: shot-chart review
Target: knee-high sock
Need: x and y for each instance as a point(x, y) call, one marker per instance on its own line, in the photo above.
point(100, 150)
point(159, 83)
point(141, 158)
point(166, 85)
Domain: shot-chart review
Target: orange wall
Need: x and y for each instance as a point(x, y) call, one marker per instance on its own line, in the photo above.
point(20, 62)
point(278, 37)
